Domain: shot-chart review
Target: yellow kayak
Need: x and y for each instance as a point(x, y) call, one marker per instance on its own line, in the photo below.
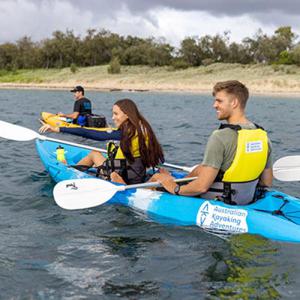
point(100, 134)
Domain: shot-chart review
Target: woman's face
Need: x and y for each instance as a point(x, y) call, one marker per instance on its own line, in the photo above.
point(118, 116)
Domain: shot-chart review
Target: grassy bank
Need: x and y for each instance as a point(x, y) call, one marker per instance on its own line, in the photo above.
point(259, 78)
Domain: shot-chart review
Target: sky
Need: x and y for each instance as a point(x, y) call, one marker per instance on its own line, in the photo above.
point(172, 20)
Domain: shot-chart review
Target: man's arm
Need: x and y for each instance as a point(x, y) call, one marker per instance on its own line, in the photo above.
point(206, 176)
point(73, 115)
point(266, 178)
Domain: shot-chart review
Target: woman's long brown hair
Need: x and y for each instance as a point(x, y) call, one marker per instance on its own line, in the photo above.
point(152, 154)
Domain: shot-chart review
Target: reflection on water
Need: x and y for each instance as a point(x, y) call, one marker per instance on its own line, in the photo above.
point(248, 270)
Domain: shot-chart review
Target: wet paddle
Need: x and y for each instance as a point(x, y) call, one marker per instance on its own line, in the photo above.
point(287, 168)
point(19, 133)
point(85, 193)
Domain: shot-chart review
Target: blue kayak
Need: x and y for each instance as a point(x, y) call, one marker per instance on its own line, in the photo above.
point(275, 215)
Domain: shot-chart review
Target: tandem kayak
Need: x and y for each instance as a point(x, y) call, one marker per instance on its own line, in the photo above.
point(99, 134)
point(275, 215)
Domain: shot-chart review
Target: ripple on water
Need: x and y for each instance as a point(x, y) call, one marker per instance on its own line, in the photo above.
point(112, 252)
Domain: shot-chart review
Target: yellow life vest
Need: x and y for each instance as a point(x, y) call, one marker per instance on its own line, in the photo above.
point(131, 172)
point(250, 158)
point(135, 149)
point(237, 185)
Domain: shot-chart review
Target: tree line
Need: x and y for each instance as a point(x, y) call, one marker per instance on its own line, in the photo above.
point(65, 49)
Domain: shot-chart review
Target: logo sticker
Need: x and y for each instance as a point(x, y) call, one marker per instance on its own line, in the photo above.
point(222, 218)
point(256, 146)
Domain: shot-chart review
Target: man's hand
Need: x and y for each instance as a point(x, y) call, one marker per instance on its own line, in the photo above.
point(166, 180)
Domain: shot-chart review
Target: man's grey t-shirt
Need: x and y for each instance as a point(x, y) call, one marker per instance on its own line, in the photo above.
point(221, 148)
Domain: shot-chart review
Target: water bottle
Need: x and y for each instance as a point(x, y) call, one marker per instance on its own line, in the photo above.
point(60, 154)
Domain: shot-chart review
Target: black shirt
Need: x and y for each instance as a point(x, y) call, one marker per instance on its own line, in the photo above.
point(83, 106)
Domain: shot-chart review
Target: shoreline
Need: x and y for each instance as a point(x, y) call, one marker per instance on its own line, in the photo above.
point(266, 80)
point(89, 87)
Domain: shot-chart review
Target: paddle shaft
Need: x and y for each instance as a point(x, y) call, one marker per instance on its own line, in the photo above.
point(152, 184)
point(21, 133)
point(42, 137)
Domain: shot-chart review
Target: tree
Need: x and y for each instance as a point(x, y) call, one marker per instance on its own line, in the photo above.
point(218, 45)
point(191, 52)
point(29, 54)
point(295, 55)
point(62, 50)
point(8, 55)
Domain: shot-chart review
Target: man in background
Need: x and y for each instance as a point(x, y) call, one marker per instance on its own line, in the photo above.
point(82, 107)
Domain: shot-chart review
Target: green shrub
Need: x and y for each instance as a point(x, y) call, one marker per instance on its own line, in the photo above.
point(295, 55)
point(73, 68)
point(114, 66)
point(179, 64)
point(285, 58)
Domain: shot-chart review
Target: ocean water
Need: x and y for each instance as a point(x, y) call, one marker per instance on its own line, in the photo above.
point(112, 252)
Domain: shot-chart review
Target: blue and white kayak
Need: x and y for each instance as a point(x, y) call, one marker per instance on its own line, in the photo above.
point(275, 216)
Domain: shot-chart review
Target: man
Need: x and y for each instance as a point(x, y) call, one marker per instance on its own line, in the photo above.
point(82, 107)
point(237, 156)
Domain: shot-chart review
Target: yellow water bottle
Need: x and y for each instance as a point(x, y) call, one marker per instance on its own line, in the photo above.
point(60, 154)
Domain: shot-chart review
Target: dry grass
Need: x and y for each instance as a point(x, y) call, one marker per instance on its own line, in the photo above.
point(259, 78)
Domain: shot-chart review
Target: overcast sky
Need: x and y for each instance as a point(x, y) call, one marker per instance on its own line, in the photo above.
point(171, 19)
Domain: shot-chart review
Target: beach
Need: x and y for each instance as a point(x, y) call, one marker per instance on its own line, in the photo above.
point(260, 79)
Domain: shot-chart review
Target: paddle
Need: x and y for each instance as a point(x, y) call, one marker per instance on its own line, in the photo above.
point(183, 168)
point(90, 192)
point(287, 168)
point(19, 133)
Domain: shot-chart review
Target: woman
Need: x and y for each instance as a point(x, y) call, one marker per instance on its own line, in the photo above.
point(138, 150)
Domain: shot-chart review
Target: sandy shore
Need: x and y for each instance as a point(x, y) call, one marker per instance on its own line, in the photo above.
point(259, 79)
point(201, 89)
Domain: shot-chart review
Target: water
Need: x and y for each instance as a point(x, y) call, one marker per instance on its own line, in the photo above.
point(112, 252)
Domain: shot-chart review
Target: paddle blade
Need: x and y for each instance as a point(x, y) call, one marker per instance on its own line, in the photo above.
point(83, 193)
point(17, 133)
point(287, 168)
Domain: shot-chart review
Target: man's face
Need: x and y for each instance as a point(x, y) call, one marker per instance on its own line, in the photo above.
point(77, 95)
point(224, 104)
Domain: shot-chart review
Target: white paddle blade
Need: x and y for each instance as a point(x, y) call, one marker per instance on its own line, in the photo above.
point(287, 168)
point(17, 133)
point(83, 193)
point(286, 175)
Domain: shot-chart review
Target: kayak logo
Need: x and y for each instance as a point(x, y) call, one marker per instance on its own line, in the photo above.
point(218, 217)
point(203, 213)
point(72, 186)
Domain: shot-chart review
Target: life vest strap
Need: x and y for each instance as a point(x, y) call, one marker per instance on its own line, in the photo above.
point(237, 127)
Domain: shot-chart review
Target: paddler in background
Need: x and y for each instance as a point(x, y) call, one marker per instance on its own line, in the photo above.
point(237, 157)
point(82, 107)
point(139, 148)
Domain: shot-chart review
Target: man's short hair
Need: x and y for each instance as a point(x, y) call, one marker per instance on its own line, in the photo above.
point(233, 87)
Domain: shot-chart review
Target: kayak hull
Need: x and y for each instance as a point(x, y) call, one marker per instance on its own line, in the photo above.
point(100, 134)
point(275, 216)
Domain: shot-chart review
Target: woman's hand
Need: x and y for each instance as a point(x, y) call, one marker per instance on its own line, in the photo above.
point(47, 128)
